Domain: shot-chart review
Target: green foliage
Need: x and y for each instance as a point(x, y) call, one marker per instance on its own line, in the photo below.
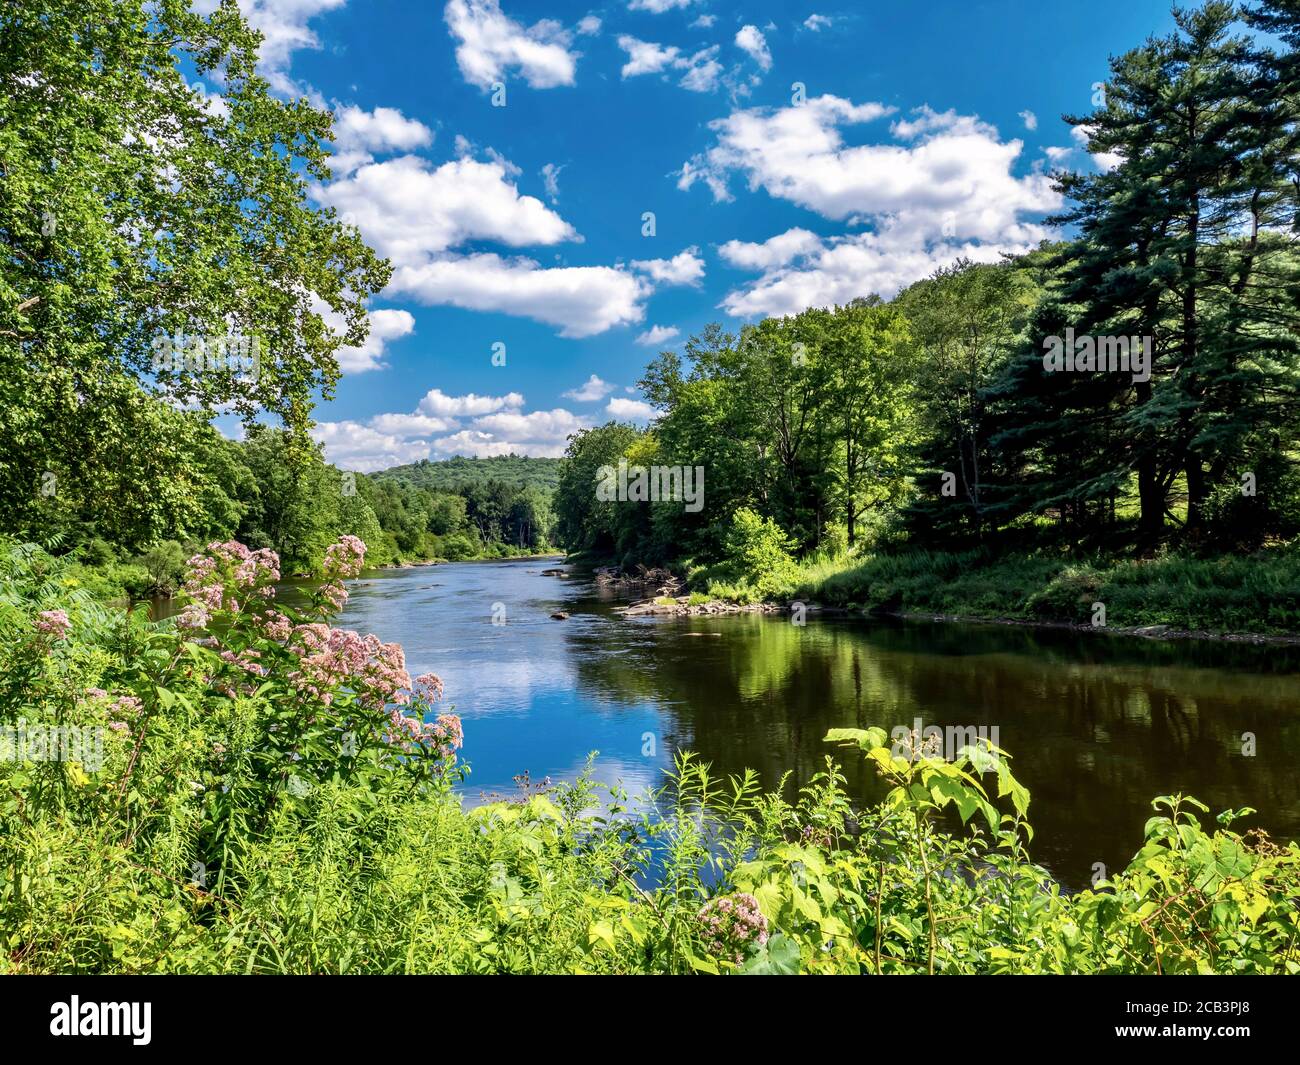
point(760, 551)
point(241, 823)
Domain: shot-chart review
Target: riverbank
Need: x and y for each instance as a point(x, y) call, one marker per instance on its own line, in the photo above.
point(1254, 598)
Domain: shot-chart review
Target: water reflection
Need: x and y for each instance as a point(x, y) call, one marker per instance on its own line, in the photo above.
point(1097, 725)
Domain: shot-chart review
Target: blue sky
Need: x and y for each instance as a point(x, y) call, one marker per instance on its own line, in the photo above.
point(922, 131)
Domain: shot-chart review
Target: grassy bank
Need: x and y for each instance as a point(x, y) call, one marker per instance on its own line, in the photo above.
point(1259, 593)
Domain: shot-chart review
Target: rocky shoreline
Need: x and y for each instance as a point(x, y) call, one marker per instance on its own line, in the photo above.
point(668, 602)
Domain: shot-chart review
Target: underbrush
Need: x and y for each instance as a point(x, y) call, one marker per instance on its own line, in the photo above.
point(1259, 593)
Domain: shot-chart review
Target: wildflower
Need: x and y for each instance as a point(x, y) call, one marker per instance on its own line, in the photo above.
point(731, 924)
point(345, 558)
point(54, 623)
point(431, 685)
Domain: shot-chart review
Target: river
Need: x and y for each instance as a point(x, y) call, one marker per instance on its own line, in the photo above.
point(1097, 725)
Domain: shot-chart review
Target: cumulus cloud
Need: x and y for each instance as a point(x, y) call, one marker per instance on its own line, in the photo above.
point(1030, 119)
point(700, 71)
point(750, 40)
point(658, 7)
point(645, 57)
point(684, 268)
point(951, 175)
point(353, 445)
point(492, 44)
point(580, 300)
point(773, 252)
point(359, 133)
point(446, 425)
point(408, 209)
point(439, 404)
point(840, 269)
point(657, 334)
point(1103, 160)
point(589, 26)
point(421, 217)
point(630, 409)
point(590, 391)
point(817, 23)
point(942, 185)
point(385, 326)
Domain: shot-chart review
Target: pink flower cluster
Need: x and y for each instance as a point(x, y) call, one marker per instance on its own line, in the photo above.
point(54, 623)
point(444, 735)
point(115, 707)
point(345, 558)
point(209, 577)
point(330, 658)
point(276, 625)
point(730, 923)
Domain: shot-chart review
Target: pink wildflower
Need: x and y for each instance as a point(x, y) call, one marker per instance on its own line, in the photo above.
point(54, 623)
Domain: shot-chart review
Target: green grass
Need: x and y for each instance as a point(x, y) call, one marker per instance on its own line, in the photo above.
point(1258, 594)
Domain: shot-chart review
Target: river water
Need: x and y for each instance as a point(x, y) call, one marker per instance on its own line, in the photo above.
point(1097, 725)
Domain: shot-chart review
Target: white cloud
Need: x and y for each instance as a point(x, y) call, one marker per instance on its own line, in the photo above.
point(588, 26)
point(385, 325)
point(496, 426)
point(684, 268)
point(657, 334)
point(408, 210)
point(751, 41)
point(704, 22)
point(1030, 120)
point(421, 216)
point(773, 252)
point(658, 7)
point(580, 300)
point(407, 425)
point(944, 188)
point(630, 409)
point(358, 133)
point(354, 446)
point(539, 426)
point(1103, 160)
point(538, 433)
point(952, 177)
point(645, 57)
point(551, 179)
point(492, 43)
point(441, 405)
point(590, 391)
point(844, 268)
point(817, 23)
point(701, 70)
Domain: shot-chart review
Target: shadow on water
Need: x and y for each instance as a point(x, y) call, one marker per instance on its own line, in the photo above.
point(1097, 725)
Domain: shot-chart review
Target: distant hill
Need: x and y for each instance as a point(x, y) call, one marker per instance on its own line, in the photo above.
point(450, 474)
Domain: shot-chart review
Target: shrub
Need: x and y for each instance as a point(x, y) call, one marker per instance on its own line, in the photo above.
point(760, 551)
